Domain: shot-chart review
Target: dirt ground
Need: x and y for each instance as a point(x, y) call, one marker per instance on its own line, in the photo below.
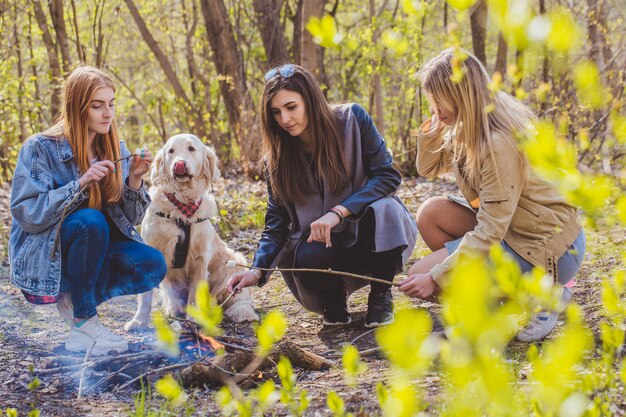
point(30, 335)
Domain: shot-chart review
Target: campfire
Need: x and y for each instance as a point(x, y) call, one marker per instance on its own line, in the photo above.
point(198, 363)
point(193, 344)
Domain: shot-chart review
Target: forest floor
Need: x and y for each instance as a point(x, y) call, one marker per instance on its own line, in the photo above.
point(30, 335)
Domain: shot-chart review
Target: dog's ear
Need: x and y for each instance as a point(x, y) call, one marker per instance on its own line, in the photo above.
point(157, 168)
point(210, 167)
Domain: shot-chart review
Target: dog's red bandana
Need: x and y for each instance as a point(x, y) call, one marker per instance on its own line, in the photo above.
point(188, 209)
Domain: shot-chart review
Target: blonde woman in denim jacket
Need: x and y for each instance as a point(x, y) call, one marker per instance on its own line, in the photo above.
point(76, 196)
point(472, 133)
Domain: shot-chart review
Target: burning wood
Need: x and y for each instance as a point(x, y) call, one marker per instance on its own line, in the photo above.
point(199, 363)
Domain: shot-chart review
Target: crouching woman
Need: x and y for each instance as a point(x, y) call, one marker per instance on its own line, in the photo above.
point(76, 196)
point(331, 202)
point(472, 133)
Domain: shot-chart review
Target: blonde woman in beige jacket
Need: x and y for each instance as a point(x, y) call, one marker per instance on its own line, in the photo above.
point(472, 133)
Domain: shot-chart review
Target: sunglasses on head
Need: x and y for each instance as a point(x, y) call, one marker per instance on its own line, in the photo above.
point(285, 71)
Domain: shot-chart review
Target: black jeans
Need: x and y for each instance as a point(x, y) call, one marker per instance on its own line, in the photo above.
point(99, 265)
point(358, 259)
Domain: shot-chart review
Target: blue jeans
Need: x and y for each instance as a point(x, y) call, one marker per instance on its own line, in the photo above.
point(99, 263)
point(567, 265)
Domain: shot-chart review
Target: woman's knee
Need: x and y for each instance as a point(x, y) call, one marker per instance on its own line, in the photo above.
point(87, 221)
point(152, 265)
point(429, 212)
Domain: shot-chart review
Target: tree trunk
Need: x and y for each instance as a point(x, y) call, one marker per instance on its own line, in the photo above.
point(58, 21)
point(53, 58)
point(267, 16)
point(39, 121)
point(599, 47)
point(229, 64)
point(20, 78)
point(296, 43)
point(376, 101)
point(478, 22)
point(82, 56)
point(192, 111)
point(311, 53)
point(501, 56)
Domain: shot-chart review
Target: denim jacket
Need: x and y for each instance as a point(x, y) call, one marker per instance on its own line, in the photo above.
point(44, 183)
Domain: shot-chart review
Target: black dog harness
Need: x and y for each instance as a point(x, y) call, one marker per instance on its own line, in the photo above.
point(182, 246)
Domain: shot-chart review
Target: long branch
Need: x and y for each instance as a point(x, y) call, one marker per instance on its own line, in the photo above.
point(323, 271)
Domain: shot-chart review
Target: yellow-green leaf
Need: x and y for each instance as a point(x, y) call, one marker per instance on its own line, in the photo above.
point(270, 331)
point(170, 389)
point(166, 337)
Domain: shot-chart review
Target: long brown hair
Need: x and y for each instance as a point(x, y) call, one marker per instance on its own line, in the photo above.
point(480, 113)
point(78, 92)
point(287, 166)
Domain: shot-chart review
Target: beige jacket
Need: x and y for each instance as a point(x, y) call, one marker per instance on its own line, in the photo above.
point(515, 205)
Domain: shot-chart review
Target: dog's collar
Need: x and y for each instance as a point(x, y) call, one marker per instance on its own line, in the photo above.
point(180, 222)
point(188, 209)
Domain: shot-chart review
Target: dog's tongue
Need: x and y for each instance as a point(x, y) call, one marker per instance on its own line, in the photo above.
point(179, 168)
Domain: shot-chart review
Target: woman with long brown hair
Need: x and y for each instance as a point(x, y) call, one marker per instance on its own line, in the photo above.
point(472, 132)
point(77, 193)
point(331, 185)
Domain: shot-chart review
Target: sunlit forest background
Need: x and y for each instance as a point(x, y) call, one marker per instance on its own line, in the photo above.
point(197, 65)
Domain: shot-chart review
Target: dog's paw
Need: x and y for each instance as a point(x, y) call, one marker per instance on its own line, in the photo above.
point(135, 325)
point(240, 312)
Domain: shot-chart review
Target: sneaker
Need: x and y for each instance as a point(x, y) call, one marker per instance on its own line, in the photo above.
point(379, 308)
point(544, 322)
point(65, 307)
point(94, 333)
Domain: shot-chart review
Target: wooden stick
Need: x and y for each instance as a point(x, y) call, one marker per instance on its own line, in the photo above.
point(154, 371)
point(82, 372)
point(323, 271)
point(108, 377)
point(125, 157)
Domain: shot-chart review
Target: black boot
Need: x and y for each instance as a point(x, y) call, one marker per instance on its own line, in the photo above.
point(379, 307)
point(336, 308)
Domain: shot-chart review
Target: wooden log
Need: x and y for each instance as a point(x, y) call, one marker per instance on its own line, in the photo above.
point(230, 365)
point(300, 357)
point(215, 372)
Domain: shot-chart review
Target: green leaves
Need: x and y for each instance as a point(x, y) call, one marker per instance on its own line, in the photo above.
point(296, 400)
point(590, 88)
point(461, 4)
point(166, 336)
point(406, 344)
point(206, 312)
point(324, 31)
point(170, 390)
point(270, 331)
point(352, 364)
point(564, 34)
point(336, 406)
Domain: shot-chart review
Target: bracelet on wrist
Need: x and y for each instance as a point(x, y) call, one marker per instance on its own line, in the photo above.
point(337, 213)
point(258, 274)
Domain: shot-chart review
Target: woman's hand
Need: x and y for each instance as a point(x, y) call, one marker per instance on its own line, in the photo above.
point(241, 280)
point(96, 172)
point(419, 285)
point(139, 166)
point(320, 228)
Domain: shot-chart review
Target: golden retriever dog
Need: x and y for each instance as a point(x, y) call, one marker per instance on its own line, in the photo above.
point(178, 224)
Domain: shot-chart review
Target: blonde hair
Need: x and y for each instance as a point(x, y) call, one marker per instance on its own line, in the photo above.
point(80, 87)
point(479, 112)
